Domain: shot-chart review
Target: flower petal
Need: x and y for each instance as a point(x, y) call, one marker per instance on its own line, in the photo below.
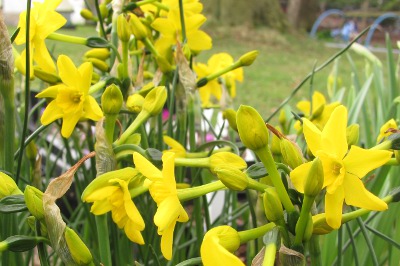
point(167, 213)
point(312, 135)
point(92, 109)
point(145, 167)
point(101, 193)
point(101, 207)
point(49, 23)
point(167, 240)
point(164, 26)
point(333, 136)
point(85, 70)
point(51, 113)
point(334, 208)
point(42, 57)
point(199, 41)
point(360, 162)
point(168, 171)
point(299, 175)
point(133, 234)
point(357, 195)
point(68, 72)
point(69, 122)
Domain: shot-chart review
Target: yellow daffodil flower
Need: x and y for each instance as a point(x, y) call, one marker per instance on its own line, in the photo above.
point(319, 112)
point(384, 131)
point(218, 246)
point(163, 191)
point(8, 186)
point(213, 88)
point(109, 192)
point(44, 20)
point(342, 170)
point(171, 31)
point(71, 100)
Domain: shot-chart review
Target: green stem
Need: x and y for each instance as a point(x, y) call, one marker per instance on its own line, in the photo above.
point(195, 162)
point(9, 133)
point(251, 234)
point(41, 247)
point(303, 220)
point(103, 238)
point(109, 127)
point(125, 149)
point(103, 32)
point(315, 251)
point(182, 18)
point(150, 46)
point(195, 192)
point(125, 57)
point(256, 185)
point(140, 119)
point(96, 87)
point(67, 38)
point(266, 158)
point(386, 145)
point(221, 72)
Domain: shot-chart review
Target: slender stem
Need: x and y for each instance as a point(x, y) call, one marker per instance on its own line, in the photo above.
point(139, 120)
point(103, 237)
point(195, 192)
point(303, 220)
point(125, 57)
point(9, 134)
point(41, 247)
point(31, 137)
point(96, 87)
point(67, 38)
point(182, 18)
point(103, 31)
point(315, 251)
point(189, 162)
point(246, 236)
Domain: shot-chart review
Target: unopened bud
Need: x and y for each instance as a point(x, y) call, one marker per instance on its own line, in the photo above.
point(232, 178)
point(87, 14)
point(146, 89)
point(123, 28)
point(155, 100)
point(226, 159)
point(251, 127)
point(248, 58)
point(352, 134)
point(99, 64)
point(315, 179)
point(135, 102)
point(320, 226)
point(112, 100)
point(34, 201)
point(272, 205)
point(79, 251)
point(8, 186)
point(19, 243)
point(137, 27)
point(45, 76)
point(99, 53)
point(291, 154)
point(103, 10)
point(31, 221)
point(230, 115)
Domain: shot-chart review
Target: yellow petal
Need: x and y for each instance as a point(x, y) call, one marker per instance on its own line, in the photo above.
point(68, 72)
point(53, 21)
point(101, 193)
point(357, 195)
point(43, 58)
point(85, 70)
point(312, 135)
point(92, 109)
point(167, 240)
point(304, 106)
point(133, 234)
point(130, 208)
point(176, 147)
point(69, 122)
point(333, 136)
point(226, 160)
point(167, 213)
point(194, 22)
point(334, 207)
point(50, 92)
point(199, 41)
point(299, 175)
point(360, 161)
point(51, 113)
point(168, 170)
point(101, 207)
point(164, 26)
point(145, 167)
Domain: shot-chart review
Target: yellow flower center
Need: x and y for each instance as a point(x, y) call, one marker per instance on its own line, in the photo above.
point(76, 97)
point(336, 168)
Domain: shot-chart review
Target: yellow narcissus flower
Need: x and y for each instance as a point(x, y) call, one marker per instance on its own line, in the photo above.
point(213, 88)
point(171, 31)
point(109, 192)
point(218, 245)
point(342, 170)
point(8, 186)
point(385, 129)
point(43, 21)
point(318, 111)
point(163, 191)
point(71, 100)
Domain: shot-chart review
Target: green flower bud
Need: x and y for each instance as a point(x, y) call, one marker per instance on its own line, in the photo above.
point(232, 178)
point(123, 28)
point(34, 201)
point(291, 154)
point(31, 221)
point(103, 10)
point(352, 134)
point(137, 27)
point(155, 100)
point(99, 53)
point(97, 63)
point(315, 179)
point(276, 144)
point(95, 78)
point(272, 205)
point(45, 76)
point(252, 130)
point(135, 102)
point(248, 58)
point(230, 115)
point(146, 89)
point(112, 100)
point(87, 14)
point(8, 186)
point(79, 251)
point(320, 226)
point(19, 243)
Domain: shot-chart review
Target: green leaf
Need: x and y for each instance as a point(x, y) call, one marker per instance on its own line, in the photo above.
point(13, 203)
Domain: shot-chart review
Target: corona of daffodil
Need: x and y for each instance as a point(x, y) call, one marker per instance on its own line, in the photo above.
point(44, 20)
point(163, 191)
point(386, 129)
point(71, 100)
point(213, 88)
point(109, 192)
point(343, 169)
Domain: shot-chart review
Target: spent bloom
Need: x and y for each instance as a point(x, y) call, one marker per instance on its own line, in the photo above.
point(342, 169)
point(163, 190)
point(43, 21)
point(71, 100)
point(109, 192)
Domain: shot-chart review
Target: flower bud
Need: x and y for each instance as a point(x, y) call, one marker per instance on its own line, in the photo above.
point(252, 130)
point(103, 10)
point(226, 159)
point(272, 205)
point(146, 88)
point(87, 14)
point(79, 251)
point(155, 100)
point(45, 76)
point(232, 178)
point(315, 179)
point(18, 243)
point(230, 115)
point(135, 102)
point(320, 226)
point(8, 186)
point(99, 53)
point(276, 144)
point(291, 154)
point(112, 100)
point(137, 27)
point(123, 28)
point(31, 221)
point(352, 134)
point(34, 201)
point(97, 63)
point(248, 58)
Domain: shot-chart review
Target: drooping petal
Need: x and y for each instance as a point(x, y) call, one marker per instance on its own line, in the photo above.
point(133, 234)
point(167, 240)
point(167, 213)
point(360, 161)
point(51, 113)
point(42, 57)
point(69, 122)
point(145, 167)
point(168, 170)
point(334, 133)
point(299, 175)
point(199, 41)
point(312, 135)
point(68, 72)
point(357, 195)
point(334, 207)
point(100, 193)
